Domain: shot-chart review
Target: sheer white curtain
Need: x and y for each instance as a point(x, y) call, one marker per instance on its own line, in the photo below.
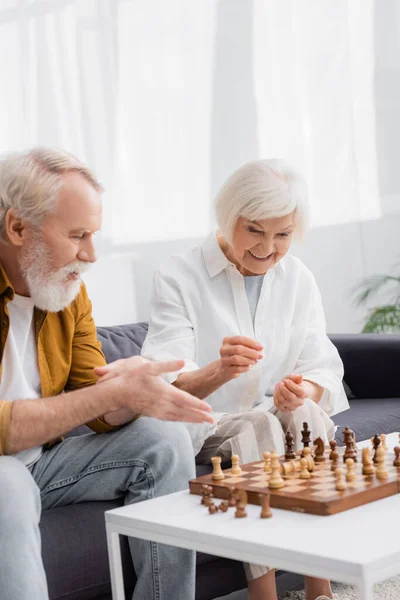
point(165, 99)
point(315, 100)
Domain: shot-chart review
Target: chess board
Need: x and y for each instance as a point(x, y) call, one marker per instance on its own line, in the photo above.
point(317, 495)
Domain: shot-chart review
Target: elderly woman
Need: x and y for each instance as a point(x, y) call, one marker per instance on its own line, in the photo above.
point(247, 318)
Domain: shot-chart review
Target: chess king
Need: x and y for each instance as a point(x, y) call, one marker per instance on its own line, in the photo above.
point(247, 318)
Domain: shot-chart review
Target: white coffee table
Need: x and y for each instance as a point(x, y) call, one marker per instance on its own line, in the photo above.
point(359, 546)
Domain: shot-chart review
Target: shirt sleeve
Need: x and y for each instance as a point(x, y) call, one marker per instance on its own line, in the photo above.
point(171, 334)
point(86, 355)
point(319, 360)
point(5, 418)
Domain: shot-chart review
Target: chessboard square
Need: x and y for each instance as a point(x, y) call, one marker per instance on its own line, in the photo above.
point(296, 483)
point(235, 479)
point(257, 465)
point(258, 485)
point(354, 485)
point(318, 473)
point(292, 489)
point(322, 486)
point(260, 477)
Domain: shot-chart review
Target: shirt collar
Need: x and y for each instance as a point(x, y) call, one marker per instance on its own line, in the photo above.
point(5, 285)
point(216, 260)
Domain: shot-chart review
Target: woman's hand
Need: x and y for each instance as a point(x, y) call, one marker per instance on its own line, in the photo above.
point(238, 355)
point(291, 392)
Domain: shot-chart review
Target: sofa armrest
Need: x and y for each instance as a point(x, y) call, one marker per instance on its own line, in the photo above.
point(371, 363)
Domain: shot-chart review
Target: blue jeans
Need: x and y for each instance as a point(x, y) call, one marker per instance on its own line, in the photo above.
point(144, 459)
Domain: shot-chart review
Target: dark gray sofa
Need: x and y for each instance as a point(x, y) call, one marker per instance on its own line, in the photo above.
point(73, 538)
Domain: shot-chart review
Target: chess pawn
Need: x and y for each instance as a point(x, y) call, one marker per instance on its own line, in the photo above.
point(204, 493)
point(236, 470)
point(217, 473)
point(275, 481)
point(290, 467)
point(340, 482)
point(267, 462)
point(351, 450)
point(332, 444)
point(383, 441)
point(232, 497)
point(207, 495)
point(376, 441)
point(310, 460)
point(289, 454)
point(396, 462)
point(223, 507)
point(381, 471)
point(351, 473)
point(212, 509)
point(266, 512)
point(304, 472)
point(334, 456)
point(241, 505)
point(367, 464)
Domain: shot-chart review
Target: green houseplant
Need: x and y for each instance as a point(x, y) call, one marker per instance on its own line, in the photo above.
point(384, 318)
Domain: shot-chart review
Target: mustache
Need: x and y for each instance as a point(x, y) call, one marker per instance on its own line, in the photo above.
point(78, 266)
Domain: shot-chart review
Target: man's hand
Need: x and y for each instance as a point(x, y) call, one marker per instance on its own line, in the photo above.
point(118, 367)
point(238, 355)
point(144, 392)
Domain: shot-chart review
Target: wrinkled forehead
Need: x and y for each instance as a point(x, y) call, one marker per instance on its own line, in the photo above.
point(79, 204)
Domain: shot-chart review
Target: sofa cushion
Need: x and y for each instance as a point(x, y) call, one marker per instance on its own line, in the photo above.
point(122, 341)
point(369, 416)
point(74, 550)
point(370, 363)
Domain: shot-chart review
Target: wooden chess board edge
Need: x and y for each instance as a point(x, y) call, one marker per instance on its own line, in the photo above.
point(346, 500)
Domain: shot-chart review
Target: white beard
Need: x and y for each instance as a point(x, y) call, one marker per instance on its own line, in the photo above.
point(49, 289)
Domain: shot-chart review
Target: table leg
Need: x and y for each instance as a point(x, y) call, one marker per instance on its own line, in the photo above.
point(366, 590)
point(114, 558)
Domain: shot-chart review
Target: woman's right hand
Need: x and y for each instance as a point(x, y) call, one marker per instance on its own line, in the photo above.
point(238, 355)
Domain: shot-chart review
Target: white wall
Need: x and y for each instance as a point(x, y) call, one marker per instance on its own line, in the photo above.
point(339, 256)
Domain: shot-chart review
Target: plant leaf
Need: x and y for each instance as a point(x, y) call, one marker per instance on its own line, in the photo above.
point(368, 288)
point(385, 319)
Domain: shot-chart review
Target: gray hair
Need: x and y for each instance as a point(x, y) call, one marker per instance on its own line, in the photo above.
point(30, 182)
point(263, 189)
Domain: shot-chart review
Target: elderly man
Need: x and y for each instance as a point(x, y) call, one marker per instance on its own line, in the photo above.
point(50, 210)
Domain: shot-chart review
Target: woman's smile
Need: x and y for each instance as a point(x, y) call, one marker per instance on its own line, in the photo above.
point(259, 257)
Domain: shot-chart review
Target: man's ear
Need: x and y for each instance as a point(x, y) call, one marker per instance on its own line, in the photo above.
point(15, 228)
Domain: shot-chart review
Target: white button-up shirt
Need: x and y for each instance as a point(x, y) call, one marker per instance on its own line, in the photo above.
point(199, 298)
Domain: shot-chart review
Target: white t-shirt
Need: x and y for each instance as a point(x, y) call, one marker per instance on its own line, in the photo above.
point(20, 379)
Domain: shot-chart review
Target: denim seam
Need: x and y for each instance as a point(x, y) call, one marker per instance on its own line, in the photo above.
point(97, 468)
point(149, 495)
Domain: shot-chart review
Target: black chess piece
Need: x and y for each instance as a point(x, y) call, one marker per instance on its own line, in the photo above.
point(351, 449)
point(290, 453)
point(332, 444)
point(305, 437)
point(376, 442)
